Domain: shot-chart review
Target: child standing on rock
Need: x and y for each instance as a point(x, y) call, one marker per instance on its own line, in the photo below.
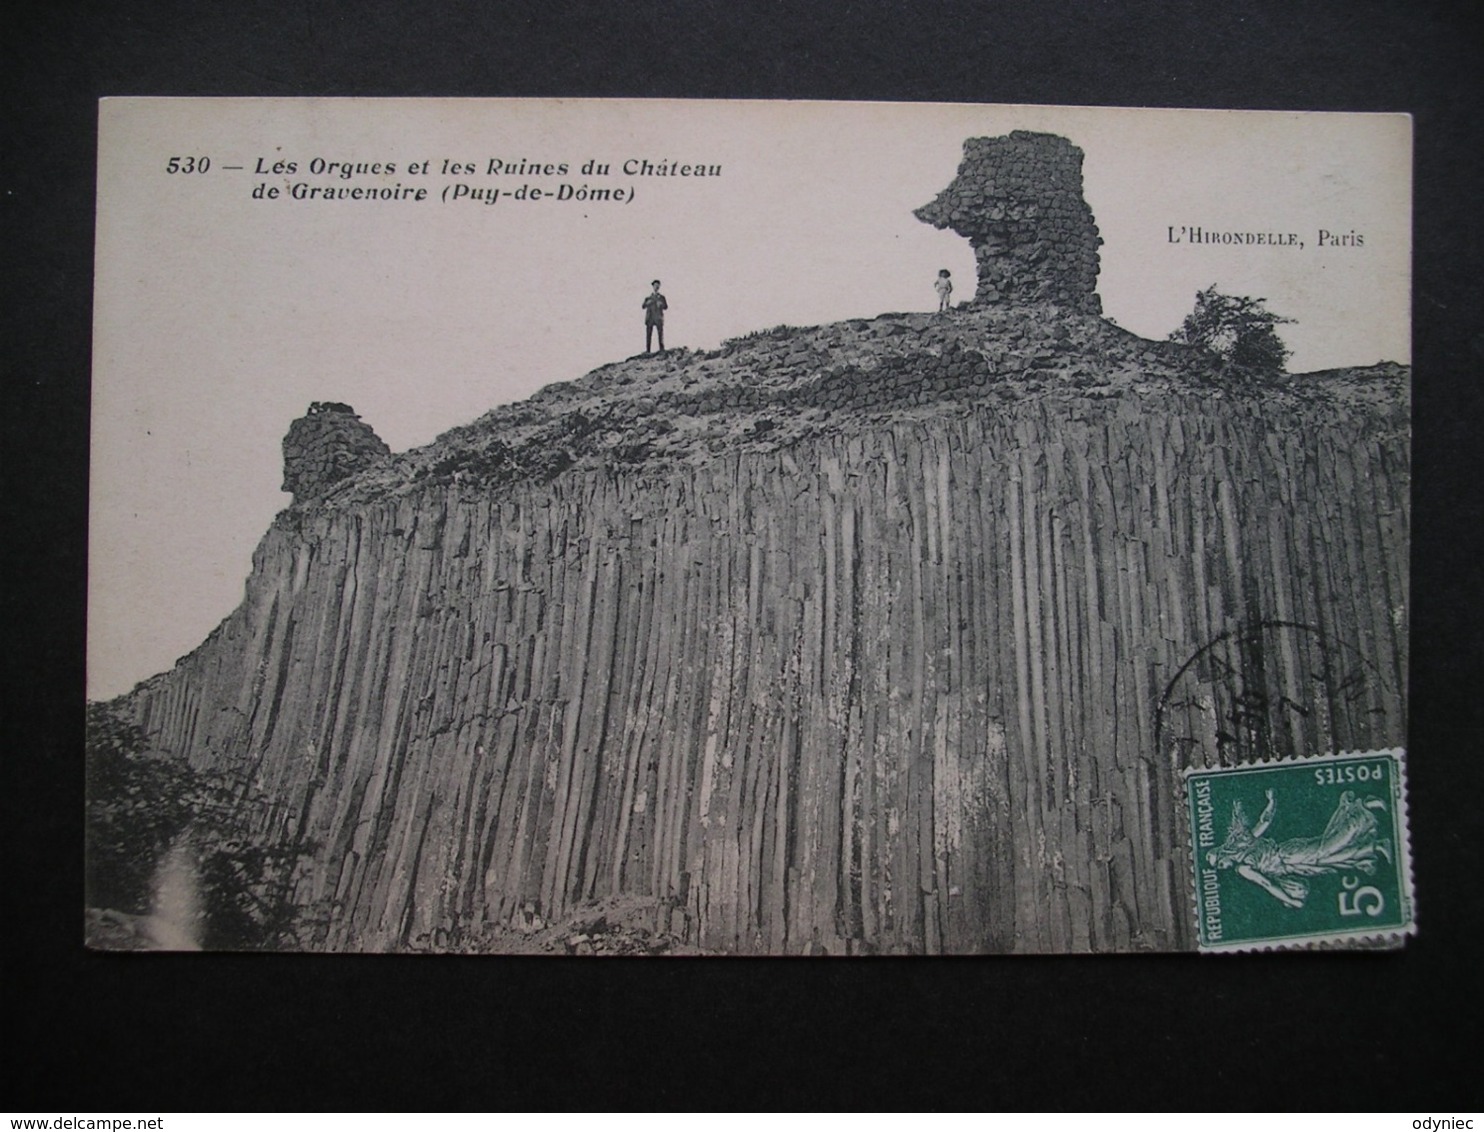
point(944, 287)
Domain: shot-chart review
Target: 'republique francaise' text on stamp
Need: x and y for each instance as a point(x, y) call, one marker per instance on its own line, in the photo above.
point(1301, 852)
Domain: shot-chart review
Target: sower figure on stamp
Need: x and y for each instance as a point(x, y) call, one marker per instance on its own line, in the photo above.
point(654, 316)
point(1351, 840)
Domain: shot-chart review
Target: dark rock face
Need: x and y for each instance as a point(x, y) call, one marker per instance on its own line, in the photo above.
point(1018, 199)
point(326, 445)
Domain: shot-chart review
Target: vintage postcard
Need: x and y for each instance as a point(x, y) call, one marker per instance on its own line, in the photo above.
point(713, 528)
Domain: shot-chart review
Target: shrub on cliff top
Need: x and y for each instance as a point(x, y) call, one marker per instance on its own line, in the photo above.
point(1237, 331)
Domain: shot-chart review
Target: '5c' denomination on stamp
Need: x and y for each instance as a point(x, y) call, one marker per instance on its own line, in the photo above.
point(1300, 852)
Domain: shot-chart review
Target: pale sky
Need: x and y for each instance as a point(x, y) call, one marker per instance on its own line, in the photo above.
point(219, 318)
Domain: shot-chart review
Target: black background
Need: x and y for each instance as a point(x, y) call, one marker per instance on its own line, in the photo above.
point(154, 1032)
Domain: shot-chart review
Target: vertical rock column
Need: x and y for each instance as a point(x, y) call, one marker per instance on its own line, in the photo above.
point(1018, 199)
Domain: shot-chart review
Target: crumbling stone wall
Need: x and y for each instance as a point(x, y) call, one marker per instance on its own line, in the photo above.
point(326, 445)
point(1018, 199)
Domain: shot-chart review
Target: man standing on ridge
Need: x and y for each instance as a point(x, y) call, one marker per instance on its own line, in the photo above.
point(654, 316)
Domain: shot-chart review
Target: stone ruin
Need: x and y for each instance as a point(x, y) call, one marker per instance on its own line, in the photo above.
point(326, 445)
point(1018, 199)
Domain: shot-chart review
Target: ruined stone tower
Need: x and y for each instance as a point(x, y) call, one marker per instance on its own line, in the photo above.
point(326, 445)
point(1018, 199)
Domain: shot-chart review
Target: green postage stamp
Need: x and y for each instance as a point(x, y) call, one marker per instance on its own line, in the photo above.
point(1301, 852)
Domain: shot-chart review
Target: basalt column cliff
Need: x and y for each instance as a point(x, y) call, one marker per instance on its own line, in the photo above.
point(888, 635)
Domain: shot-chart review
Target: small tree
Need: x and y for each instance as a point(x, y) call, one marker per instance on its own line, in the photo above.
point(140, 800)
point(1237, 331)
